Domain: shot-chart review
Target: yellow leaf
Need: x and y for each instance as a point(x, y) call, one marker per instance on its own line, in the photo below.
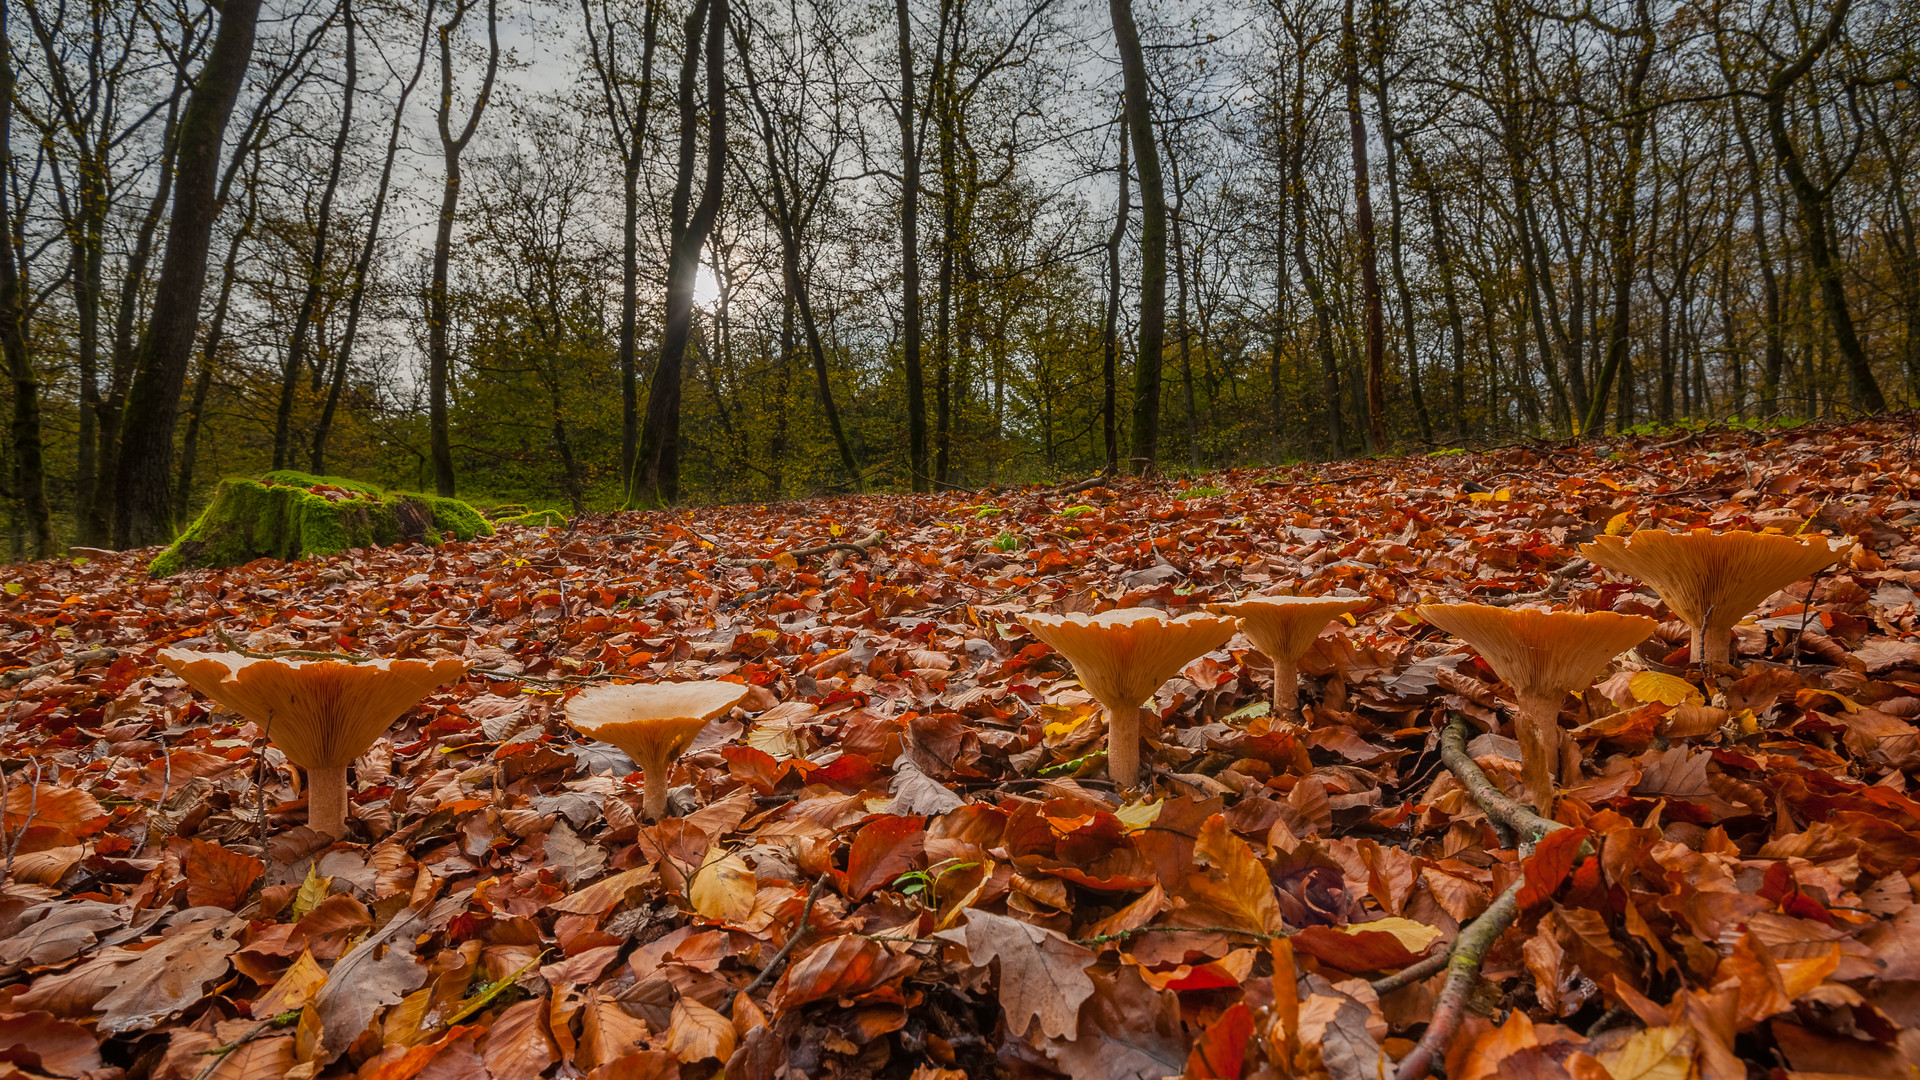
point(1139, 815)
point(1233, 889)
point(1662, 1053)
point(1619, 523)
point(312, 891)
point(1503, 495)
point(1416, 936)
point(1480, 496)
point(786, 561)
point(836, 529)
point(294, 989)
point(723, 887)
point(1802, 975)
point(1663, 688)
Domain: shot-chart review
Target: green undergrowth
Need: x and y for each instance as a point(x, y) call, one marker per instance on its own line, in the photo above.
point(291, 515)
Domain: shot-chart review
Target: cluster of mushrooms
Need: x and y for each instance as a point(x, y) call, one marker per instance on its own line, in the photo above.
point(323, 714)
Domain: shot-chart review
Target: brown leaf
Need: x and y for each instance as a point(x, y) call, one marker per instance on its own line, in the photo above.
point(607, 1032)
point(376, 973)
point(170, 976)
point(518, 1045)
point(847, 966)
point(1042, 975)
point(215, 876)
point(698, 1033)
point(62, 1047)
point(603, 895)
point(69, 810)
point(1128, 1031)
point(883, 849)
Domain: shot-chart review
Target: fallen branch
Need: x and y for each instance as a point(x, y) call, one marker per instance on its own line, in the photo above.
point(1407, 976)
point(1470, 948)
point(1555, 582)
point(1099, 479)
point(78, 660)
point(856, 547)
point(799, 931)
point(219, 1053)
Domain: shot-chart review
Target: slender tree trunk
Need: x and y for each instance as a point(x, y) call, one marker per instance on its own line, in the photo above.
point(1862, 387)
point(657, 471)
point(1621, 241)
point(1186, 348)
point(1416, 387)
point(143, 513)
point(439, 352)
point(283, 450)
point(1443, 261)
point(133, 282)
point(1110, 330)
point(29, 471)
point(356, 296)
point(210, 359)
point(89, 243)
point(1774, 363)
point(629, 127)
point(1153, 239)
point(910, 261)
point(1369, 261)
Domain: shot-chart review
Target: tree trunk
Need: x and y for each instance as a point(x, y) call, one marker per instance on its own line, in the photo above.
point(1621, 241)
point(1396, 259)
point(1443, 261)
point(209, 359)
point(336, 385)
point(1153, 239)
point(143, 512)
point(1110, 329)
point(1827, 268)
point(629, 126)
point(316, 260)
point(439, 355)
point(1369, 262)
point(657, 470)
point(29, 472)
point(910, 261)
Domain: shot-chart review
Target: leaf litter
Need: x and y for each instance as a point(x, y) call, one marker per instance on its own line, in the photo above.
point(900, 855)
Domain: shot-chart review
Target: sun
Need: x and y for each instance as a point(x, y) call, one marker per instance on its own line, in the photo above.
point(706, 288)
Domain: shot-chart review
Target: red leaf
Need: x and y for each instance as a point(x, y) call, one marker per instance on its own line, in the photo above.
point(215, 876)
point(1552, 860)
point(1221, 1050)
point(883, 850)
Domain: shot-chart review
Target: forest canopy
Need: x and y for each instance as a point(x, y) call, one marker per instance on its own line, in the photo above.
point(646, 252)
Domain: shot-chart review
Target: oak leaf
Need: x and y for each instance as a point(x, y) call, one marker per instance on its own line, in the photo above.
point(1043, 976)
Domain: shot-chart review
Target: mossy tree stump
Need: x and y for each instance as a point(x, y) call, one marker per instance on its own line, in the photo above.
point(290, 515)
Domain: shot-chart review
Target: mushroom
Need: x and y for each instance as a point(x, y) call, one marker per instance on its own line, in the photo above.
point(321, 713)
point(1712, 580)
point(1543, 655)
point(653, 722)
point(1122, 657)
point(1283, 628)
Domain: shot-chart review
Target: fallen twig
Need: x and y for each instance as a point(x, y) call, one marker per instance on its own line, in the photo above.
point(1470, 948)
point(77, 659)
point(856, 547)
point(1555, 582)
point(1411, 974)
point(219, 1053)
point(799, 931)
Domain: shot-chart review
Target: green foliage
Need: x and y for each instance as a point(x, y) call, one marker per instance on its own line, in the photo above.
point(1007, 541)
point(534, 519)
point(285, 519)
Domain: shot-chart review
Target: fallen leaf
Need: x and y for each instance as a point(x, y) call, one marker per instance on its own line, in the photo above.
point(1042, 975)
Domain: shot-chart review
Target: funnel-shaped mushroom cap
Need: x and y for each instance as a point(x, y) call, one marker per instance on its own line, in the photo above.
point(1283, 627)
point(1542, 653)
point(652, 722)
point(1710, 578)
point(322, 713)
point(1122, 656)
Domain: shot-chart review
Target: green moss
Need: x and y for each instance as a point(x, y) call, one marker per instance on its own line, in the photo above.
point(250, 520)
point(536, 519)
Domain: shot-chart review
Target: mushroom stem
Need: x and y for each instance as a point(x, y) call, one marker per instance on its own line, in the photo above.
point(1123, 746)
point(327, 800)
point(1712, 645)
point(1538, 726)
point(1286, 688)
point(654, 803)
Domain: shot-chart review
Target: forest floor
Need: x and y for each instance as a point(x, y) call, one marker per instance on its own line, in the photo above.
point(900, 859)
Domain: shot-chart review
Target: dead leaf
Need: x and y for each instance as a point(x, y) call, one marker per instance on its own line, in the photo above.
point(1042, 975)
